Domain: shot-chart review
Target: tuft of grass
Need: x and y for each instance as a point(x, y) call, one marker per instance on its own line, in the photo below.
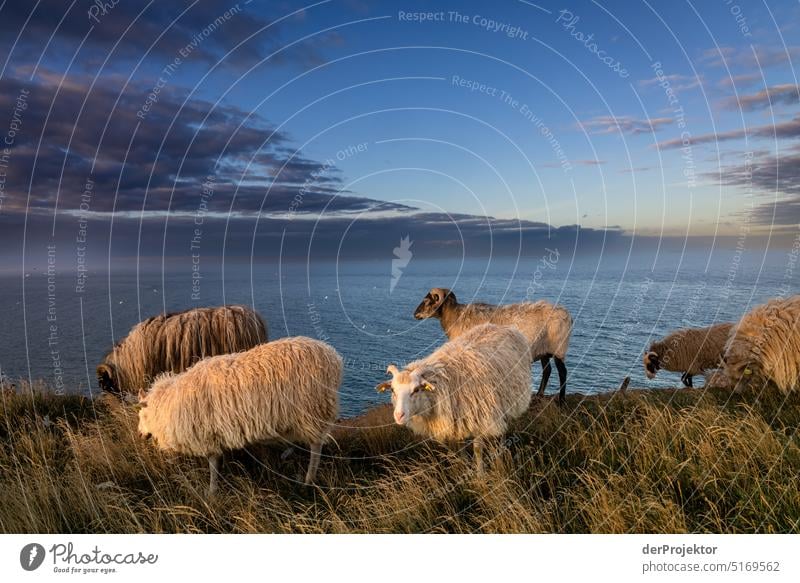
point(666, 461)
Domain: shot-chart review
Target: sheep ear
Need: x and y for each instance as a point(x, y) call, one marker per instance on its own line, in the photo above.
point(438, 296)
point(381, 388)
point(425, 384)
point(142, 397)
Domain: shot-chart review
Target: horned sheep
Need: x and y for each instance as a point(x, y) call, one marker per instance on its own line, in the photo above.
point(546, 326)
point(690, 351)
point(284, 390)
point(764, 348)
point(174, 342)
point(469, 387)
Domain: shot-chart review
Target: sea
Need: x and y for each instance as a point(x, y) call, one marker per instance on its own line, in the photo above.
point(56, 331)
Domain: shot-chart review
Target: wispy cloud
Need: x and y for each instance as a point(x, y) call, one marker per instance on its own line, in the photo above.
point(575, 163)
point(676, 82)
point(768, 176)
point(788, 94)
point(624, 124)
point(749, 56)
point(739, 81)
point(787, 129)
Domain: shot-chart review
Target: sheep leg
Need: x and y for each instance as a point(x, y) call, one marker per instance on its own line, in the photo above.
point(477, 449)
point(687, 379)
point(562, 379)
point(546, 370)
point(313, 464)
point(214, 466)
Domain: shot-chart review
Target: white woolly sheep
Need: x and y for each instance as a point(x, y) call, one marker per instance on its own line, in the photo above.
point(764, 348)
point(546, 326)
point(283, 390)
point(174, 342)
point(470, 387)
point(690, 351)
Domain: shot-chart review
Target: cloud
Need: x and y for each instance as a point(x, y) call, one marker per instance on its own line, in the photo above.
point(787, 94)
point(768, 176)
point(750, 56)
point(745, 80)
point(624, 124)
point(576, 163)
point(205, 31)
point(159, 160)
point(676, 82)
point(364, 236)
point(786, 129)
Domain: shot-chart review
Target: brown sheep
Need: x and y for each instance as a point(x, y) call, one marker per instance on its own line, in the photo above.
point(546, 326)
point(174, 342)
point(691, 351)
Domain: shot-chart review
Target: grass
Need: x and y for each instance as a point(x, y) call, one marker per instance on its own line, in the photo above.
point(688, 460)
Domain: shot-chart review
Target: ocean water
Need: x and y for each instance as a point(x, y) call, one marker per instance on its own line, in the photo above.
point(619, 303)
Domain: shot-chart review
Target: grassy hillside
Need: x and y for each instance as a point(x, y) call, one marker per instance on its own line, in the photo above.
point(649, 461)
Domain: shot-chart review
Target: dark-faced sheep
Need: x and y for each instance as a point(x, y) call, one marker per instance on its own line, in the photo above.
point(546, 326)
point(470, 387)
point(286, 390)
point(689, 351)
point(174, 342)
point(764, 348)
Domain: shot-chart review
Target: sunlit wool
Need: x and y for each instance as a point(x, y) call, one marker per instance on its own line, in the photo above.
point(691, 351)
point(764, 347)
point(286, 390)
point(471, 386)
point(546, 326)
point(174, 342)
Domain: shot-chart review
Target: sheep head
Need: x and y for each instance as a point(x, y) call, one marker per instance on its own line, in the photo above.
point(107, 378)
point(431, 305)
point(652, 364)
point(144, 416)
point(411, 393)
point(741, 375)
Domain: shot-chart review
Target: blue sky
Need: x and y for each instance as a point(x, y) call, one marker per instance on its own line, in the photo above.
point(626, 118)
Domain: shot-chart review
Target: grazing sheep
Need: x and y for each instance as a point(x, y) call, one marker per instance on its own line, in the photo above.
point(546, 326)
point(174, 342)
point(283, 390)
point(764, 348)
point(690, 351)
point(470, 387)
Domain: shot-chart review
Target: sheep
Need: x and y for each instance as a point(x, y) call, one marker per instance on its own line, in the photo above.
point(690, 351)
point(764, 348)
point(283, 390)
point(546, 326)
point(469, 387)
point(174, 342)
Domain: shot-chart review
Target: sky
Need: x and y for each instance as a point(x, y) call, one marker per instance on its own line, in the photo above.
point(146, 131)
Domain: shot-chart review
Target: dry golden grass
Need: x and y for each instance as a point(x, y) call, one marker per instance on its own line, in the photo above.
point(649, 461)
